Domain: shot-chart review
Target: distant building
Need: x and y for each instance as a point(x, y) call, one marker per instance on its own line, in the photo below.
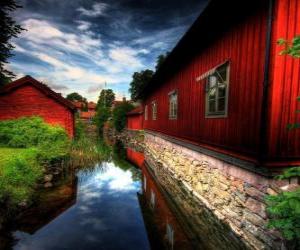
point(28, 97)
point(135, 119)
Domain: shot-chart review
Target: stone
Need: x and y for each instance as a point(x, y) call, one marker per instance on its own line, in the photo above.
point(256, 207)
point(254, 219)
point(48, 185)
point(48, 178)
point(271, 191)
point(254, 193)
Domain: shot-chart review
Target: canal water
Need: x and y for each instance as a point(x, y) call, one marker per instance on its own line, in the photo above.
point(113, 205)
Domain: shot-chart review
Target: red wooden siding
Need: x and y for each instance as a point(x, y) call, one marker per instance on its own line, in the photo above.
point(244, 46)
point(135, 122)
point(29, 101)
point(285, 84)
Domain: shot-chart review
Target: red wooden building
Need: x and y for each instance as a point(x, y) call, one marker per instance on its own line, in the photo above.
point(135, 119)
point(225, 89)
point(28, 97)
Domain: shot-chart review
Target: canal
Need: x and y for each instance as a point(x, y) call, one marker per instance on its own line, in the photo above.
point(118, 202)
point(113, 205)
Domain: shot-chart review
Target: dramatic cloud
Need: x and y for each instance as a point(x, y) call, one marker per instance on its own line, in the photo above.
point(79, 45)
point(97, 10)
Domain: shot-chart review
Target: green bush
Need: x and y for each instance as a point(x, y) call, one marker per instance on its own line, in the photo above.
point(119, 115)
point(52, 142)
point(284, 209)
point(19, 173)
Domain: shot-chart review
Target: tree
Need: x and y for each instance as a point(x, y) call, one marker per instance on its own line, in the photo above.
point(119, 115)
point(139, 81)
point(142, 78)
point(75, 97)
point(160, 60)
point(9, 29)
point(102, 115)
point(106, 98)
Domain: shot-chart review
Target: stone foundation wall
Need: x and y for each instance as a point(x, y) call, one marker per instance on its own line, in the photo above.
point(234, 195)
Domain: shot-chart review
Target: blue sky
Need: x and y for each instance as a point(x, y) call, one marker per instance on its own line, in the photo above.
point(79, 45)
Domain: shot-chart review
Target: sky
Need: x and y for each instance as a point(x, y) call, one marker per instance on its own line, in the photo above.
point(78, 45)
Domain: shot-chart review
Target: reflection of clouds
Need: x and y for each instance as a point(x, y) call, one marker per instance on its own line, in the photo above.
point(84, 209)
point(117, 179)
point(92, 238)
point(95, 223)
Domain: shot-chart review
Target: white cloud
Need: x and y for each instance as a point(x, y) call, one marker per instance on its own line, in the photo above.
point(83, 25)
point(125, 56)
point(98, 9)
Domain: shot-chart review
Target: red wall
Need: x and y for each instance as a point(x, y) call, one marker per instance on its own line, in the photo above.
point(244, 46)
point(29, 101)
point(285, 84)
point(135, 122)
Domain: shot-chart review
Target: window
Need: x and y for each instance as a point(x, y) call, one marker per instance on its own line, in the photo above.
point(145, 183)
point(146, 112)
point(152, 199)
point(154, 110)
point(173, 105)
point(170, 235)
point(217, 92)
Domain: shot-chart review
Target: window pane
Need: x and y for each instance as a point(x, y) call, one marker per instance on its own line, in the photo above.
point(212, 93)
point(222, 90)
point(212, 106)
point(221, 105)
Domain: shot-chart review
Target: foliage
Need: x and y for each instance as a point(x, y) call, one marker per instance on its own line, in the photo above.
point(9, 29)
point(19, 173)
point(75, 97)
point(119, 115)
point(102, 115)
point(160, 60)
point(291, 48)
point(284, 209)
point(139, 82)
point(52, 142)
point(106, 98)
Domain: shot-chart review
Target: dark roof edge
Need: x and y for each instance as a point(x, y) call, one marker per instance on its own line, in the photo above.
point(42, 87)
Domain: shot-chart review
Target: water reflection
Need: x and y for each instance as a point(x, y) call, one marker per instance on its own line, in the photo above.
point(97, 209)
point(164, 230)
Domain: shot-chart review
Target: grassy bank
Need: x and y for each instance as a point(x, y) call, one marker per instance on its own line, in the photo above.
point(19, 173)
point(27, 146)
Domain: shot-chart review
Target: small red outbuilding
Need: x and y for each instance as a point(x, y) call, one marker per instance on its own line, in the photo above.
point(28, 97)
point(135, 119)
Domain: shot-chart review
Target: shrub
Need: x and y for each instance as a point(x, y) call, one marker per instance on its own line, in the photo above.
point(119, 115)
point(284, 209)
point(51, 141)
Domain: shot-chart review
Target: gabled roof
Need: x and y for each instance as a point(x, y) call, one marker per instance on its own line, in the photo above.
point(214, 19)
point(28, 80)
point(92, 105)
point(136, 111)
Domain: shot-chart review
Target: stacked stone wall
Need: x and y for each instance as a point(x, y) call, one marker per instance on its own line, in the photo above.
point(235, 196)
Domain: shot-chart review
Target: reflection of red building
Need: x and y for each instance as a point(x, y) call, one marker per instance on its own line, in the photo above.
point(135, 157)
point(135, 119)
point(156, 211)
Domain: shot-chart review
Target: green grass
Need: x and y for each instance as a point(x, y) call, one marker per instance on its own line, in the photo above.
point(19, 174)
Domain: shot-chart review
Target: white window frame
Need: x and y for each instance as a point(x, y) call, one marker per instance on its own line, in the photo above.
point(173, 106)
point(154, 110)
point(217, 113)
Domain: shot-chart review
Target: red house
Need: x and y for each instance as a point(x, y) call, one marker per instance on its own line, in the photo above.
point(225, 90)
point(29, 97)
point(135, 119)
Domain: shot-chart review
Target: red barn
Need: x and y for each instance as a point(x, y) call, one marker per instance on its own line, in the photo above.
point(29, 97)
point(225, 89)
point(135, 119)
